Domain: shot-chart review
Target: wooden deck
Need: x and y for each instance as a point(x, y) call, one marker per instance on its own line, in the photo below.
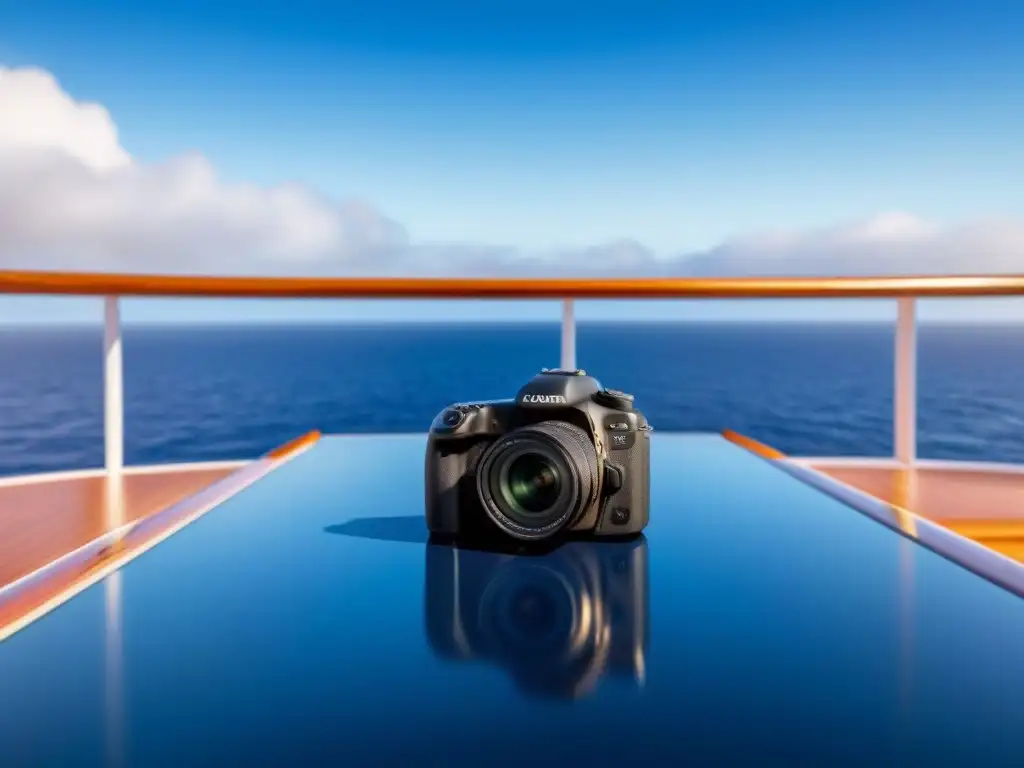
point(986, 506)
point(42, 518)
point(69, 519)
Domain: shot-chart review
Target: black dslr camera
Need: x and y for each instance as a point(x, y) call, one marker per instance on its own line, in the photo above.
point(557, 622)
point(565, 456)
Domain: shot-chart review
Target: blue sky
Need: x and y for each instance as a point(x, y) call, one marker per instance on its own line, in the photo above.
point(545, 126)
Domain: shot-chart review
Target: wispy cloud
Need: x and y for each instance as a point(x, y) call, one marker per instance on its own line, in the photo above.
point(71, 197)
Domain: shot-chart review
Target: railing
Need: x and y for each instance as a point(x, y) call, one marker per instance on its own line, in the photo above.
point(904, 289)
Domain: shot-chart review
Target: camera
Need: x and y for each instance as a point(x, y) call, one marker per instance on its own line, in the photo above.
point(557, 622)
point(565, 456)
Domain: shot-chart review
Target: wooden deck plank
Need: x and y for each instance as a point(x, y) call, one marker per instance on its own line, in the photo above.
point(41, 521)
point(144, 507)
point(981, 505)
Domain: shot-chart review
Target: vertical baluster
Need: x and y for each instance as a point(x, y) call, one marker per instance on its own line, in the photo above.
point(113, 387)
point(568, 336)
point(113, 415)
point(905, 395)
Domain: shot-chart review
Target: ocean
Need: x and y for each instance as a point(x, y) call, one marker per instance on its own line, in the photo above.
point(207, 393)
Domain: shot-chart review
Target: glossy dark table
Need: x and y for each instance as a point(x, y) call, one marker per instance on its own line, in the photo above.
point(307, 621)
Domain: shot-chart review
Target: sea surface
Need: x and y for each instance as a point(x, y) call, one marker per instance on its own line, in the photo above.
point(205, 393)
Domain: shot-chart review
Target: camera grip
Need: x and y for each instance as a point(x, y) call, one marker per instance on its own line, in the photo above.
point(449, 466)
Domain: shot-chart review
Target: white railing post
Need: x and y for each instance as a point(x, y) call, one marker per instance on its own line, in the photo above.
point(905, 395)
point(568, 336)
point(113, 387)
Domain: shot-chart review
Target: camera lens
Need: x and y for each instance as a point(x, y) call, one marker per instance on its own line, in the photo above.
point(538, 479)
point(532, 483)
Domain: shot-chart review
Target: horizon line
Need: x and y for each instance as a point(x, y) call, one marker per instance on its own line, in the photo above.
point(355, 323)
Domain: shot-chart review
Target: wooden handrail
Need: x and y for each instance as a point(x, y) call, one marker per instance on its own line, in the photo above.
point(109, 284)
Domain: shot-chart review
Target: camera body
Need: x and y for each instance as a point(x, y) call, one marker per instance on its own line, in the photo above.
point(557, 623)
point(565, 456)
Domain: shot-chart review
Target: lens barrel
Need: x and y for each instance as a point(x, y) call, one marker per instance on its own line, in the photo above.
point(537, 479)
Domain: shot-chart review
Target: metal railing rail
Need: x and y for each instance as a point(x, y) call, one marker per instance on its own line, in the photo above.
point(906, 290)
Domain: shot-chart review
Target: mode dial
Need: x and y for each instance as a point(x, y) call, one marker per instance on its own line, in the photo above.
point(613, 398)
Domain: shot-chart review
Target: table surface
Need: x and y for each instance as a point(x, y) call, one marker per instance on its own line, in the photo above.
point(308, 619)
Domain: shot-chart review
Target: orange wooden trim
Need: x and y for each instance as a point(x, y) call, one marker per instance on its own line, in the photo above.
point(109, 284)
point(762, 450)
point(292, 446)
point(987, 530)
point(56, 583)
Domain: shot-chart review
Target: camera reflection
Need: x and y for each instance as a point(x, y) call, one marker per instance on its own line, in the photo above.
point(556, 622)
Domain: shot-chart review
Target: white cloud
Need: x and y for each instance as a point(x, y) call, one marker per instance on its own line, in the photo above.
point(38, 115)
point(894, 243)
point(71, 197)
